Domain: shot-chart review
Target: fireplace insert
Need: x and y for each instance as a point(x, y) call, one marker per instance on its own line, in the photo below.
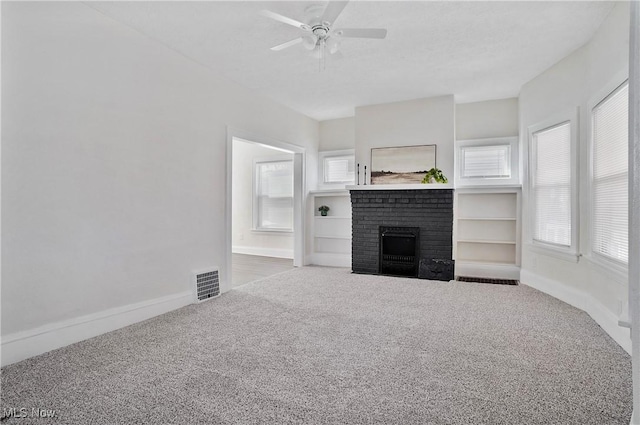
point(399, 251)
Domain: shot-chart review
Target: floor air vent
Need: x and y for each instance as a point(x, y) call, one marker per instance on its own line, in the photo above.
point(487, 280)
point(206, 284)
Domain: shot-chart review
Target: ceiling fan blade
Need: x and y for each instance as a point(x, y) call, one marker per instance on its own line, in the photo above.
point(361, 32)
point(332, 11)
point(278, 17)
point(287, 44)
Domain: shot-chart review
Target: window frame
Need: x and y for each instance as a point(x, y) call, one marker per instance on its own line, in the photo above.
point(322, 156)
point(568, 253)
point(256, 202)
point(607, 264)
point(461, 181)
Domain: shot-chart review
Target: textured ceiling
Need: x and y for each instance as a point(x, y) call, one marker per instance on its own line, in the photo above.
point(474, 50)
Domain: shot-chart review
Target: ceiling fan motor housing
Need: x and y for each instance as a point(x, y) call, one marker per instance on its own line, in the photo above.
point(321, 31)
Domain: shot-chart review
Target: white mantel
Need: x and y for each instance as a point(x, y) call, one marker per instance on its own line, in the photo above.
point(429, 186)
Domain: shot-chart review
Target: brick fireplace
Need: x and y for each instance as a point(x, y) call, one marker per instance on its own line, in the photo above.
point(429, 210)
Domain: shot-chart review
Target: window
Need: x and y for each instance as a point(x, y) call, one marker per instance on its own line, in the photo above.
point(485, 161)
point(273, 206)
point(337, 168)
point(551, 185)
point(610, 176)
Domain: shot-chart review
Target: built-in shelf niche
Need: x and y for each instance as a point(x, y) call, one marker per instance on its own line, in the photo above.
point(331, 233)
point(487, 232)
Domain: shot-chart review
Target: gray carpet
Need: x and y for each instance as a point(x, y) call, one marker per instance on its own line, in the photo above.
point(323, 346)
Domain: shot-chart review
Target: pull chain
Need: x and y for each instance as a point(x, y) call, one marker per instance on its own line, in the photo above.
point(322, 65)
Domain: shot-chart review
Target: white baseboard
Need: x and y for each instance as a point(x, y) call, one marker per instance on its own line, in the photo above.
point(579, 299)
point(331, 260)
point(491, 271)
point(22, 345)
point(263, 252)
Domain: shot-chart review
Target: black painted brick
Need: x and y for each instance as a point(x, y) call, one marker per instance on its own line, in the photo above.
point(431, 210)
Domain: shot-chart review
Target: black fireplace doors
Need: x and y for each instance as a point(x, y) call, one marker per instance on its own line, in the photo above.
point(399, 251)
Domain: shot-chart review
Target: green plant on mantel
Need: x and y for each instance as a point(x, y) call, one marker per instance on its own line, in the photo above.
point(435, 175)
point(323, 210)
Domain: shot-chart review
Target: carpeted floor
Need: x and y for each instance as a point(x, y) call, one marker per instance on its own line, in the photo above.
point(323, 346)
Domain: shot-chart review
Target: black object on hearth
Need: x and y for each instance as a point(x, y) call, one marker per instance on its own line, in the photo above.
point(437, 269)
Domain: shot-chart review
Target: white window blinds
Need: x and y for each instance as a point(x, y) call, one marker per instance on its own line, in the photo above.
point(274, 195)
point(486, 161)
point(610, 176)
point(551, 185)
point(339, 169)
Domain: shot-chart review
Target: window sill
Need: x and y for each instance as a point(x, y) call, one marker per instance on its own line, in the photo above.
point(330, 192)
point(337, 184)
point(464, 183)
point(272, 231)
point(489, 188)
point(565, 255)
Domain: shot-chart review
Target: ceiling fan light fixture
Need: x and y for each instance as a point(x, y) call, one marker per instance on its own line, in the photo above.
point(316, 53)
point(309, 42)
point(333, 45)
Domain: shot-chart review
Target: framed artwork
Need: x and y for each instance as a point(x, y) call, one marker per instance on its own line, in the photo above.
point(401, 165)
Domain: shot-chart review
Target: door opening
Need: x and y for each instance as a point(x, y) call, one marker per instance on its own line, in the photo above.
point(265, 231)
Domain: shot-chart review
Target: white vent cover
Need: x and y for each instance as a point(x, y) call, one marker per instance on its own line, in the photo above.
point(206, 284)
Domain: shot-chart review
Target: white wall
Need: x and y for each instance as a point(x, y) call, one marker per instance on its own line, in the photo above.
point(245, 240)
point(338, 134)
point(113, 164)
point(573, 82)
point(415, 122)
point(491, 119)
point(488, 119)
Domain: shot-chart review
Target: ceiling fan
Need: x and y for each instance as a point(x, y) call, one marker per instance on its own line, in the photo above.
point(319, 34)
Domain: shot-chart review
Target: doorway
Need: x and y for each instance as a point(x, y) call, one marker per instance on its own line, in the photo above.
point(265, 231)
